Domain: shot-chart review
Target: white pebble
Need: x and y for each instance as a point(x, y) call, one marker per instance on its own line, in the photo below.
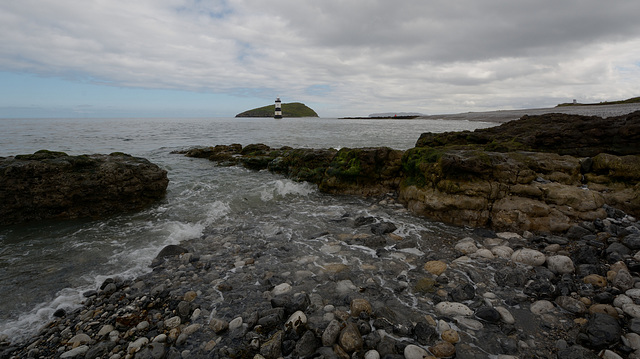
point(542, 307)
point(282, 288)
point(505, 315)
point(453, 308)
point(528, 256)
point(415, 352)
point(560, 264)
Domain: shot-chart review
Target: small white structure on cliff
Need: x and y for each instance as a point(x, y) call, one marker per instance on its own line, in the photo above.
point(278, 113)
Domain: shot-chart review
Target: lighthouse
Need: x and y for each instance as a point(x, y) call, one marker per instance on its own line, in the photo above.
point(278, 113)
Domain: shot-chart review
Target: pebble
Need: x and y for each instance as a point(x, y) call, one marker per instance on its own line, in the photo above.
point(560, 264)
point(528, 256)
point(415, 352)
point(435, 267)
point(453, 309)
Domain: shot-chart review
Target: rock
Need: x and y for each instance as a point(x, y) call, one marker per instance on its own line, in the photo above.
point(372, 354)
point(453, 309)
point(450, 336)
point(424, 332)
point(79, 339)
point(605, 309)
point(137, 345)
point(281, 289)
point(632, 241)
point(466, 247)
point(307, 345)
point(443, 349)
point(595, 280)
point(218, 325)
point(488, 314)
point(415, 352)
point(53, 185)
point(172, 322)
point(560, 264)
point(76, 352)
point(383, 228)
point(359, 306)
point(529, 257)
point(296, 321)
point(623, 280)
point(542, 307)
point(435, 267)
point(505, 315)
point(572, 305)
point(576, 352)
point(633, 310)
point(350, 339)
point(331, 333)
point(603, 331)
point(272, 348)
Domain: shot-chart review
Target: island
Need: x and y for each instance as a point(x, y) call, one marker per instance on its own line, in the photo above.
point(294, 109)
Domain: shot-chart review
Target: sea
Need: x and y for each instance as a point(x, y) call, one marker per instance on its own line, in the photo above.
point(47, 265)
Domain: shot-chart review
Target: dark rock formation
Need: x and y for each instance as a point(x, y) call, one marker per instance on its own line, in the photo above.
point(530, 174)
point(53, 185)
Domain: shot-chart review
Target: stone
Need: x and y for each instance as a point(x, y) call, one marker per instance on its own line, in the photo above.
point(235, 324)
point(307, 344)
point(435, 267)
point(359, 306)
point(450, 336)
point(350, 339)
point(503, 252)
point(633, 310)
point(560, 264)
point(632, 340)
point(443, 349)
point(623, 280)
point(488, 314)
point(542, 307)
point(137, 345)
point(571, 304)
point(86, 186)
point(79, 339)
point(632, 241)
point(172, 322)
point(466, 247)
point(190, 296)
point(603, 308)
point(505, 315)
point(371, 354)
point(218, 325)
point(529, 257)
point(463, 292)
point(75, 352)
point(281, 289)
point(424, 332)
point(331, 333)
point(106, 329)
point(415, 352)
point(296, 321)
point(272, 348)
point(595, 280)
point(603, 331)
point(453, 309)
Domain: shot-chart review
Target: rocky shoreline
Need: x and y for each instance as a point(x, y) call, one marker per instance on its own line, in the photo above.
point(501, 295)
point(557, 278)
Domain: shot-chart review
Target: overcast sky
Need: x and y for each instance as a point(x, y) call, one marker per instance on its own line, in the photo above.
point(103, 58)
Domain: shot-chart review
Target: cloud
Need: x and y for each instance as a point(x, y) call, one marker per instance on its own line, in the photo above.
point(431, 56)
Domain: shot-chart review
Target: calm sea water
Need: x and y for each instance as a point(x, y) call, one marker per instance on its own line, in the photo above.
point(47, 265)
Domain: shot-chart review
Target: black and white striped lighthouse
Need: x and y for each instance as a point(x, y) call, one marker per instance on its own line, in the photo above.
point(278, 113)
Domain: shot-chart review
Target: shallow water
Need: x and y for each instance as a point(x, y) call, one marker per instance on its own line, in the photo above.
point(46, 266)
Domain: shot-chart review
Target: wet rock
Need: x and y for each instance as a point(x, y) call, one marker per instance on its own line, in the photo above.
point(78, 352)
point(463, 292)
point(510, 277)
point(350, 339)
point(443, 349)
point(602, 331)
point(576, 352)
point(571, 304)
point(488, 314)
point(307, 344)
point(453, 309)
point(560, 264)
point(272, 348)
point(359, 306)
point(529, 257)
point(218, 325)
point(383, 228)
point(331, 333)
point(415, 352)
point(424, 333)
point(435, 267)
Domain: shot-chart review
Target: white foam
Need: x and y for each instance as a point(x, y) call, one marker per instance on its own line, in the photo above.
point(283, 188)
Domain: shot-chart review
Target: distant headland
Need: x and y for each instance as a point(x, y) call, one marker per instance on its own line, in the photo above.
point(621, 102)
point(294, 109)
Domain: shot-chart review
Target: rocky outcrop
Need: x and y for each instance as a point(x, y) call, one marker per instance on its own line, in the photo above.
point(53, 185)
point(540, 173)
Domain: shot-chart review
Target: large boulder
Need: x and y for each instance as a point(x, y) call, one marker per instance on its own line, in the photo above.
point(53, 185)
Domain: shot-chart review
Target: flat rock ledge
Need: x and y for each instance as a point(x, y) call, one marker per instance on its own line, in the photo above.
point(54, 185)
point(540, 173)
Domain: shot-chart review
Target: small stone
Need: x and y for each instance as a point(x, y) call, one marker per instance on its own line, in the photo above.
point(372, 354)
point(350, 339)
point(191, 329)
point(488, 314)
point(483, 253)
point(453, 309)
point(603, 331)
point(172, 322)
point(632, 310)
point(415, 352)
point(235, 324)
point(75, 352)
point(331, 333)
point(272, 348)
point(359, 306)
point(503, 252)
point(106, 329)
point(560, 264)
point(450, 336)
point(307, 345)
point(136, 345)
point(595, 280)
point(79, 339)
point(296, 321)
point(632, 340)
point(281, 289)
point(505, 315)
point(605, 309)
point(623, 280)
point(466, 247)
point(190, 296)
point(542, 307)
point(529, 257)
point(572, 305)
point(443, 350)
point(435, 267)
point(218, 325)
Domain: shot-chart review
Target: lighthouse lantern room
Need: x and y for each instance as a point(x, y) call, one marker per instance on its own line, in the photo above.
point(278, 113)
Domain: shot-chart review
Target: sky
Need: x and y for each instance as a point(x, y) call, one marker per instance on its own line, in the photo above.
point(217, 58)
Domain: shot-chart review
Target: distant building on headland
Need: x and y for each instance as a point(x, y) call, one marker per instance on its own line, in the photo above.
point(278, 112)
